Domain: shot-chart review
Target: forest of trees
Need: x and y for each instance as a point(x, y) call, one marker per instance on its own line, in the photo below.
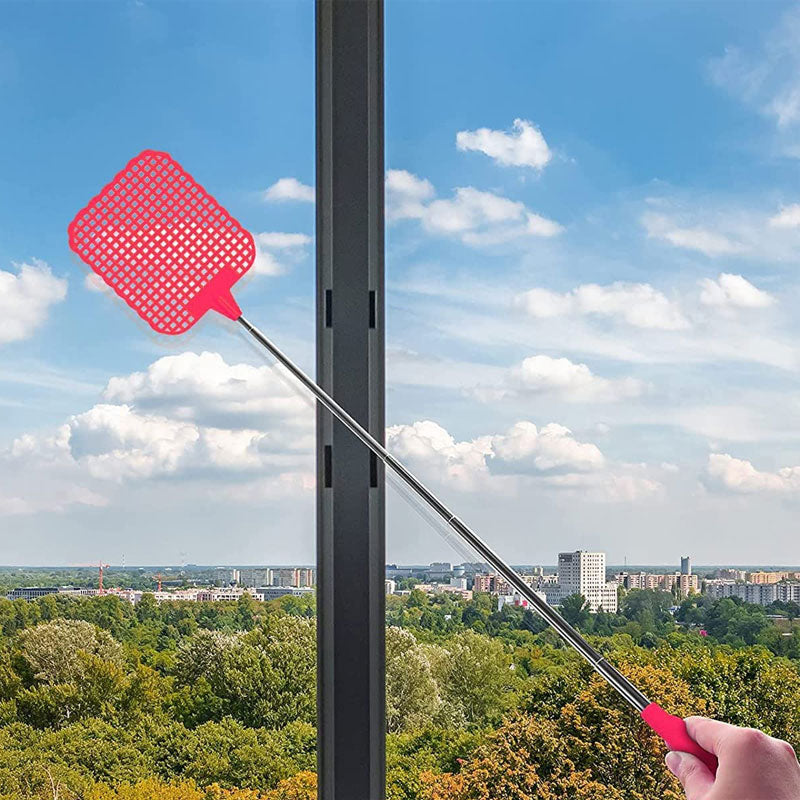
point(216, 701)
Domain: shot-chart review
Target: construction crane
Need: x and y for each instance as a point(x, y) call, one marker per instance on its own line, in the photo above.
point(100, 566)
point(159, 577)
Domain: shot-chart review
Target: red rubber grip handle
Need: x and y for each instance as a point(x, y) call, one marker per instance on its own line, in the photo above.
point(673, 731)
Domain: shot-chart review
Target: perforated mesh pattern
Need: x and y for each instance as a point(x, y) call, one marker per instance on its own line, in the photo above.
point(157, 238)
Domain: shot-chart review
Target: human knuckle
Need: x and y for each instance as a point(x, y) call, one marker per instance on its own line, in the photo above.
point(786, 750)
point(752, 739)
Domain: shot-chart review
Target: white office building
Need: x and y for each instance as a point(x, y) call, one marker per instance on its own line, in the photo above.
point(584, 573)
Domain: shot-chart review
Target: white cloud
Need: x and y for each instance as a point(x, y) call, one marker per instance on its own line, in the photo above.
point(37, 473)
point(406, 195)
point(787, 217)
point(525, 448)
point(638, 304)
point(288, 190)
point(26, 298)
point(430, 446)
point(476, 217)
point(483, 218)
point(284, 241)
point(524, 456)
point(733, 291)
point(115, 443)
point(708, 242)
point(187, 417)
point(740, 476)
point(274, 250)
point(570, 381)
point(523, 146)
point(205, 388)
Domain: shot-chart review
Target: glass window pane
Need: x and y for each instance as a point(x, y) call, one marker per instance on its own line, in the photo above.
point(184, 465)
point(591, 257)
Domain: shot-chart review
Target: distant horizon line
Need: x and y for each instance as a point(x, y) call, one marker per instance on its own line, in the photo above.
point(628, 566)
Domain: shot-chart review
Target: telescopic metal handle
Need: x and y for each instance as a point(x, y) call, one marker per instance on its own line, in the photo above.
point(618, 681)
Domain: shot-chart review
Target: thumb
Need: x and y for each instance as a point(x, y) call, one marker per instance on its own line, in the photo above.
point(693, 774)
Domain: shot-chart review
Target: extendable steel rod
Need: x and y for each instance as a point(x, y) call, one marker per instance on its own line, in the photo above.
point(618, 681)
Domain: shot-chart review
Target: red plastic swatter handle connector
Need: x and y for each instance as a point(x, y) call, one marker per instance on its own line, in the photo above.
point(216, 294)
point(673, 731)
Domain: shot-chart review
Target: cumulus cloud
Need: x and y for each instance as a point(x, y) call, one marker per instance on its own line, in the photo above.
point(733, 291)
point(484, 218)
point(275, 252)
point(118, 444)
point(787, 217)
point(522, 146)
point(115, 443)
point(525, 448)
point(204, 388)
point(26, 297)
point(193, 423)
point(638, 304)
point(429, 445)
point(703, 240)
point(38, 474)
point(288, 190)
point(186, 418)
point(406, 195)
point(476, 217)
point(740, 476)
point(573, 382)
point(549, 457)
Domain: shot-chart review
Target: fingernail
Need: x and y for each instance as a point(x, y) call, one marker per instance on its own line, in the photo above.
point(673, 761)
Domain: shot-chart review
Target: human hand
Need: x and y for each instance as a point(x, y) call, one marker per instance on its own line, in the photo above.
point(752, 765)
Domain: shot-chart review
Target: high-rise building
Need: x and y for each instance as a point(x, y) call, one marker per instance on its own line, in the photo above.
point(731, 574)
point(688, 584)
point(686, 565)
point(584, 573)
point(762, 594)
point(494, 584)
point(306, 576)
point(767, 577)
point(254, 576)
point(283, 576)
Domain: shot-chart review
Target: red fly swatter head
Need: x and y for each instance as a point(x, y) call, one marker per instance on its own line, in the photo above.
point(163, 244)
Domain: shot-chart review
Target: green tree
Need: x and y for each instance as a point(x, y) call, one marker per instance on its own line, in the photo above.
point(476, 676)
point(53, 650)
point(412, 693)
point(575, 610)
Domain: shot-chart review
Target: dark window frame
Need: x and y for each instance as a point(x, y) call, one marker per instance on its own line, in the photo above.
point(350, 366)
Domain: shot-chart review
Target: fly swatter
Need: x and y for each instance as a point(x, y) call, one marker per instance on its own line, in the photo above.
point(172, 253)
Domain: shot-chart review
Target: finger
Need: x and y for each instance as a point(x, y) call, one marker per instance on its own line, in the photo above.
point(709, 733)
point(693, 774)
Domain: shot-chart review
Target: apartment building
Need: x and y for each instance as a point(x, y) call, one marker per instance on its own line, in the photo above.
point(582, 572)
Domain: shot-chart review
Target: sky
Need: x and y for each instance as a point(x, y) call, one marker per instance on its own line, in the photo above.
point(593, 242)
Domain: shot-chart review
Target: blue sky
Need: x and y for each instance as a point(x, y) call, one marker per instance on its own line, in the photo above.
point(592, 255)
